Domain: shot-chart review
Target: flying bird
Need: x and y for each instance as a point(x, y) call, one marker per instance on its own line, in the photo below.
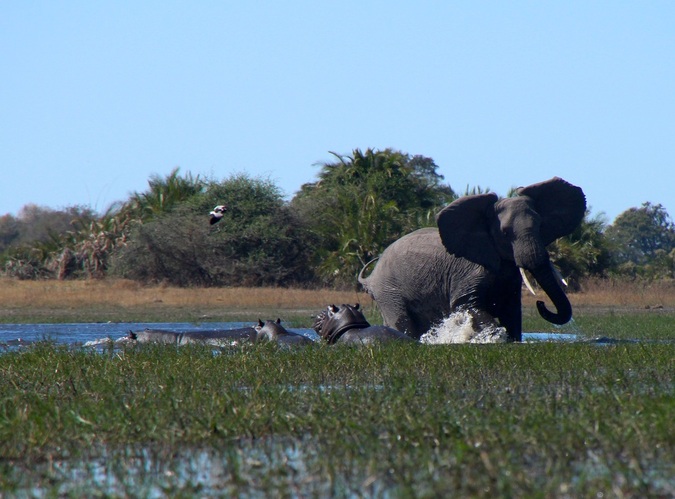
point(217, 213)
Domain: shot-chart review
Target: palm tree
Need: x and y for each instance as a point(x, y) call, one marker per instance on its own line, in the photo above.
point(363, 202)
point(585, 252)
point(163, 194)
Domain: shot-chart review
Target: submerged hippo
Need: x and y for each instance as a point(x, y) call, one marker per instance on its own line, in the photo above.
point(275, 332)
point(346, 324)
point(217, 338)
point(263, 331)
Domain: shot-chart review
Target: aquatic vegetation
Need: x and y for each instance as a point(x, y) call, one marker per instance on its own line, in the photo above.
point(535, 419)
point(482, 420)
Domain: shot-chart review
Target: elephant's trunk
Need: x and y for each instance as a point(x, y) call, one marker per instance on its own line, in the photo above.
point(531, 254)
point(549, 282)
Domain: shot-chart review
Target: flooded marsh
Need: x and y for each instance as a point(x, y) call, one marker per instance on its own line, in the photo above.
point(587, 411)
point(542, 418)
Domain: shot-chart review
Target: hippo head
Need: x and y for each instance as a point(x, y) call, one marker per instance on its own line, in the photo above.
point(331, 323)
point(269, 330)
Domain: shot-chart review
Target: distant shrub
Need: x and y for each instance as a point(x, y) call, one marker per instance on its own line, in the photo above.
point(258, 242)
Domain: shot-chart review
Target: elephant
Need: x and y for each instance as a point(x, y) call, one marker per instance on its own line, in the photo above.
point(347, 325)
point(473, 260)
point(273, 331)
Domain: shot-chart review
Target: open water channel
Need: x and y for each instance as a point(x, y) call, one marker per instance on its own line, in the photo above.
point(100, 333)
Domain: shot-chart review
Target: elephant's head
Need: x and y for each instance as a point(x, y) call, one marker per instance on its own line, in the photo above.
point(489, 231)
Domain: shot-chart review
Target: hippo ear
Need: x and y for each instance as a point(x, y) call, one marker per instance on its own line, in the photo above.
point(356, 307)
point(278, 320)
point(260, 323)
point(333, 308)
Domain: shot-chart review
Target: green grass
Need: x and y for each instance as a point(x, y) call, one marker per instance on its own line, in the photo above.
point(536, 420)
point(643, 325)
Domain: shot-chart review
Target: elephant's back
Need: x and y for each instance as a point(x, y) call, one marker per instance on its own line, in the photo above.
point(422, 239)
point(417, 257)
point(424, 242)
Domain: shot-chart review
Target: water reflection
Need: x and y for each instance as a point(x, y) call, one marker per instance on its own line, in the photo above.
point(245, 467)
point(271, 466)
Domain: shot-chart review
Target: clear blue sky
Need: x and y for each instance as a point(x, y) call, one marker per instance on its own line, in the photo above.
point(95, 97)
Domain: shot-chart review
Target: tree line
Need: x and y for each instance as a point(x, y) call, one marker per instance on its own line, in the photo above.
point(359, 204)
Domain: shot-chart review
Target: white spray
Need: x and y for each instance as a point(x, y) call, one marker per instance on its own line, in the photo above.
point(464, 327)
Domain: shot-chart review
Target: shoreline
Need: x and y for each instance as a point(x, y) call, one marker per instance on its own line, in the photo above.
point(129, 301)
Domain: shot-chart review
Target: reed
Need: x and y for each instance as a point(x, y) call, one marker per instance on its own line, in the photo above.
point(50, 293)
point(611, 294)
point(124, 300)
point(648, 295)
point(542, 420)
point(130, 293)
point(534, 420)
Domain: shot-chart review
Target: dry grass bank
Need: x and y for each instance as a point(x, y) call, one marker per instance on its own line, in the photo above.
point(122, 300)
point(130, 294)
point(608, 294)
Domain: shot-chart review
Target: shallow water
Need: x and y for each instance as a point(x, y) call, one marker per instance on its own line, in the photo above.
point(96, 334)
point(245, 469)
point(278, 466)
point(462, 327)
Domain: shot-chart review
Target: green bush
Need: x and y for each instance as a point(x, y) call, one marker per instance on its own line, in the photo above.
point(258, 243)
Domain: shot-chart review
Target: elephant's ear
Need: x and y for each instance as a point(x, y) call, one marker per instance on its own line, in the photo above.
point(464, 226)
point(560, 204)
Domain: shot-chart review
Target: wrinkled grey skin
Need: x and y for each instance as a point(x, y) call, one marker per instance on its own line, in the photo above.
point(273, 331)
point(263, 331)
point(216, 338)
point(347, 325)
point(472, 260)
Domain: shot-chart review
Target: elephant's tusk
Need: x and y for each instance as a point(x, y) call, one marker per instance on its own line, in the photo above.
point(526, 281)
point(559, 275)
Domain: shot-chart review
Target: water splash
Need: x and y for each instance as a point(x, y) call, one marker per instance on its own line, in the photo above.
point(465, 326)
point(571, 327)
